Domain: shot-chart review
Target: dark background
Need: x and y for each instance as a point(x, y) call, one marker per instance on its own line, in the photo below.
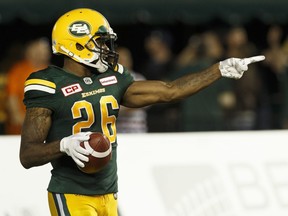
point(132, 20)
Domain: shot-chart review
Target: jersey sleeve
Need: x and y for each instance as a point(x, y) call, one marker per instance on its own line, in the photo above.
point(125, 77)
point(39, 91)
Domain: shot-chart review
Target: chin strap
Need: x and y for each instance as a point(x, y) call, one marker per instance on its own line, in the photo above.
point(99, 65)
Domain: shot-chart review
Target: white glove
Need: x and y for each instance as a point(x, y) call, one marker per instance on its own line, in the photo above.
point(235, 67)
point(71, 146)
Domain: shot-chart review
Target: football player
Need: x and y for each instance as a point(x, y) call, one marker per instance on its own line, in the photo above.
point(65, 104)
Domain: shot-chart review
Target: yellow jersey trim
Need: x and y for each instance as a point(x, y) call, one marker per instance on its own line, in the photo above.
point(40, 82)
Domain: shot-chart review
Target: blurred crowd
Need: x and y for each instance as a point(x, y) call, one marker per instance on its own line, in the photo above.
point(258, 101)
point(21, 60)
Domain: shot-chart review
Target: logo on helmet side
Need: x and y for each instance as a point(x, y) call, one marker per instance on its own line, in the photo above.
point(79, 28)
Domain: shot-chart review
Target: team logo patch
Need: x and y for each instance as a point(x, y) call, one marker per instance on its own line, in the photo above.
point(87, 80)
point(108, 81)
point(71, 89)
point(79, 28)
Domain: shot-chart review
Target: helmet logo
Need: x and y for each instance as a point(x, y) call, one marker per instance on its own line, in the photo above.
point(79, 28)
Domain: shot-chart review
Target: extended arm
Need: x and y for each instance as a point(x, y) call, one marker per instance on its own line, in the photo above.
point(143, 93)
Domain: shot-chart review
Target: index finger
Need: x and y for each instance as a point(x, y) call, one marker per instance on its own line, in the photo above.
point(254, 59)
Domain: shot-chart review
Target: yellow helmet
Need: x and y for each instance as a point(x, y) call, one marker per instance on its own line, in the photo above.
point(85, 36)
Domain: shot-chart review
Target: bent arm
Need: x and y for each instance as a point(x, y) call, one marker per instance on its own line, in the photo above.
point(144, 93)
point(33, 150)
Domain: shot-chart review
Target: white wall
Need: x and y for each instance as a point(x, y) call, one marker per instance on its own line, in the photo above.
point(22, 192)
point(197, 174)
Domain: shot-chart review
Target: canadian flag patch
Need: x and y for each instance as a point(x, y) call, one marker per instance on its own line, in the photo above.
point(108, 80)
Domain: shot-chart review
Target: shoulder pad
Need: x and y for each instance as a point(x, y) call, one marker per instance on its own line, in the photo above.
point(38, 84)
point(119, 68)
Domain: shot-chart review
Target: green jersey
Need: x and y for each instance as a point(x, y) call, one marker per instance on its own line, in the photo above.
point(79, 104)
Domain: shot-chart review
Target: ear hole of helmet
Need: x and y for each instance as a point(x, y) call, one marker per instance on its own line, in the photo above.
point(79, 47)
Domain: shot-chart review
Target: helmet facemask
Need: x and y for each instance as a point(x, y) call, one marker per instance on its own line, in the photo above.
point(102, 46)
